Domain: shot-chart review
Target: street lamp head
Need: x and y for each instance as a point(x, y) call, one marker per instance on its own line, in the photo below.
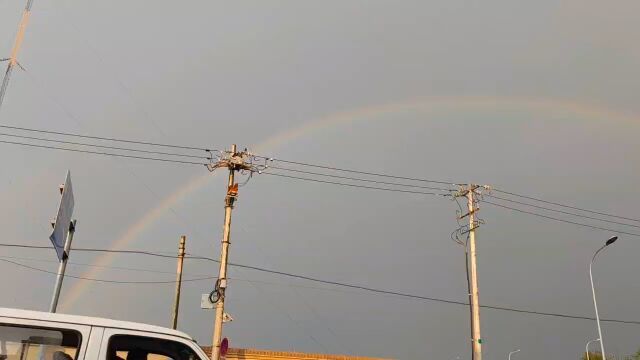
point(611, 241)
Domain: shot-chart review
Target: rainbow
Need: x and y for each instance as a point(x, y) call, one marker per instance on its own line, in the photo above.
point(543, 105)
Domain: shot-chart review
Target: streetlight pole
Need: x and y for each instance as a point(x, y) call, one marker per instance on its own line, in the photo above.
point(586, 348)
point(593, 291)
point(513, 352)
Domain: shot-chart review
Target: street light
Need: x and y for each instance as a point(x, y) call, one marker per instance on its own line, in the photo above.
point(513, 352)
point(586, 348)
point(593, 291)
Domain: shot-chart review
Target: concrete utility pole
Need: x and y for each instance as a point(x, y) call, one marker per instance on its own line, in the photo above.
point(176, 301)
point(13, 59)
point(475, 306)
point(472, 268)
point(62, 267)
point(234, 162)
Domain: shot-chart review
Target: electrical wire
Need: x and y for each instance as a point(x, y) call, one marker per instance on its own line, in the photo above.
point(284, 169)
point(93, 265)
point(358, 172)
point(560, 220)
point(26, 246)
point(105, 138)
point(103, 153)
point(358, 179)
point(564, 205)
point(561, 211)
point(139, 252)
point(353, 185)
point(456, 184)
point(105, 280)
point(412, 296)
point(102, 146)
point(307, 278)
point(280, 168)
point(173, 272)
point(197, 163)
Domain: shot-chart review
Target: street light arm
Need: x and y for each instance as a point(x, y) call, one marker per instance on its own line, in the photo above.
point(596, 254)
point(591, 265)
point(586, 348)
point(513, 352)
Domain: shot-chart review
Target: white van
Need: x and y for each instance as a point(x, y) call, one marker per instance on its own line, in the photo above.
point(34, 335)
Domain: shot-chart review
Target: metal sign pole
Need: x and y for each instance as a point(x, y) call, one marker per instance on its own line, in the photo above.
point(62, 267)
point(63, 228)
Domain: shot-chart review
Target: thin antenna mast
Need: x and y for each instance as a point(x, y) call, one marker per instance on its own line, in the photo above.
point(13, 59)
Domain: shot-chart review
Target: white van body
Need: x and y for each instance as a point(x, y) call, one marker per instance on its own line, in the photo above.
point(35, 335)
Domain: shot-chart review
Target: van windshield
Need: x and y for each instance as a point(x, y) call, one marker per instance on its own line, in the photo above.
point(33, 343)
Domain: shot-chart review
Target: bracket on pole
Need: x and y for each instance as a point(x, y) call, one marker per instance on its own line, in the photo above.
point(233, 161)
point(469, 213)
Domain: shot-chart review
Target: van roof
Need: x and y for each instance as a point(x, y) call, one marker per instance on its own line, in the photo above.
point(88, 320)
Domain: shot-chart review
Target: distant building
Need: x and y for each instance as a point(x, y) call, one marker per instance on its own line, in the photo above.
point(253, 354)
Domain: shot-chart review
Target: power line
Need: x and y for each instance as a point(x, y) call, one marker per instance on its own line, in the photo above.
point(140, 252)
point(561, 211)
point(560, 220)
point(47, 94)
point(102, 146)
point(105, 138)
point(563, 205)
point(274, 159)
point(92, 265)
point(358, 179)
point(353, 185)
point(102, 153)
point(558, 315)
point(201, 277)
point(412, 296)
point(266, 173)
point(104, 280)
point(304, 277)
point(359, 172)
point(454, 184)
point(173, 272)
point(163, 272)
point(26, 246)
point(278, 160)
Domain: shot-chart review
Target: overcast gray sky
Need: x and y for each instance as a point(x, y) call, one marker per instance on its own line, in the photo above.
point(536, 97)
